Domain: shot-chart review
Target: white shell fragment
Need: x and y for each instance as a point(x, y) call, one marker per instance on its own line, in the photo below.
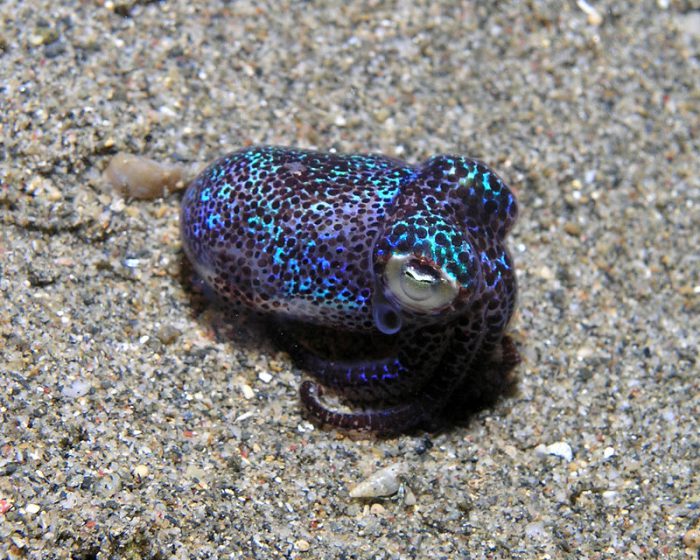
point(558, 449)
point(142, 178)
point(594, 17)
point(384, 482)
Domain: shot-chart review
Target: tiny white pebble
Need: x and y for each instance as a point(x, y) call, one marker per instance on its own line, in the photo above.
point(141, 471)
point(302, 545)
point(264, 376)
point(247, 391)
point(132, 263)
point(608, 452)
point(117, 205)
point(610, 495)
point(558, 449)
point(32, 509)
point(545, 273)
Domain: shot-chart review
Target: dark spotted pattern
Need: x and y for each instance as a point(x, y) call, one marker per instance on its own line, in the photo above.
point(304, 237)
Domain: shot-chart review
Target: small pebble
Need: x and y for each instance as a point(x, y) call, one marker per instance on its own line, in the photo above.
point(558, 449)
point(692, 539)
point(167, 334)
point(247, 391)
point(18, 541)
point(32, 509)
point(302, 545)
point(142, 178)
point(377, 509)
point(264, 376)
point(610, 496)
point(141, 471)
point(545, 273)
point(572, 229)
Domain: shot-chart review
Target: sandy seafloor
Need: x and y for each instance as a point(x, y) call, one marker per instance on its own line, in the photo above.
point(137, 421)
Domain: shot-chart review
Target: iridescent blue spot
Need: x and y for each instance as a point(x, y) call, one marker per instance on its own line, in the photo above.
point(214, 220)
point(278, 256)
point(225, 192)
point(485, 181)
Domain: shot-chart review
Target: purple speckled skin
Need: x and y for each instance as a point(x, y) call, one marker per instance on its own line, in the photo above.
point(313, 239)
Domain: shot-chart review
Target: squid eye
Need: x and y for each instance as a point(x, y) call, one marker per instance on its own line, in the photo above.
point(417, 285)
point(419, 281)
